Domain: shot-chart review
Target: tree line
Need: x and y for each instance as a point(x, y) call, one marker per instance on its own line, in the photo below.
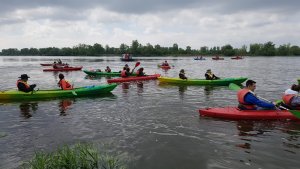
point(137, 49)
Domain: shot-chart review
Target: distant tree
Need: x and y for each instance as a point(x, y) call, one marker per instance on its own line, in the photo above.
point(204, 50)
point(124, 48)
point(135, 47)
point(268, 49)
point(227, 50)
point(295, 51)
point(255, 49)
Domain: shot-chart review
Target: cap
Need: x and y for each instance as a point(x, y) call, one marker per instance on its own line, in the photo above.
point(24, 76)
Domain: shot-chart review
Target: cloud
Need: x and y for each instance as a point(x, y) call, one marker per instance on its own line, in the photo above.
point(44, 23)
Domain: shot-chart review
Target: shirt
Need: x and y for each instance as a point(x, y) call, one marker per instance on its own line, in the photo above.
point(250, 98)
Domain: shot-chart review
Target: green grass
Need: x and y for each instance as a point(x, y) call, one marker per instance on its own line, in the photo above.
point(80, 156)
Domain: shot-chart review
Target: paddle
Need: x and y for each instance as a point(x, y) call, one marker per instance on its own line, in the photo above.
point(136, 65)
point(235, 87)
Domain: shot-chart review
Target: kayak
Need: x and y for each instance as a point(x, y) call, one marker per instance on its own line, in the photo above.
point(164, 67)
point(199, 59)
point(56, 93)
point(298, 81)
point(218, 82)
point(64, 69)
point(96, 73)
point(237, 57)
point(51, 64)
point(133, 78)
point(234, 113)
point(219, 58)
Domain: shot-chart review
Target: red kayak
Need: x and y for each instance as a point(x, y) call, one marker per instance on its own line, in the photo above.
point(51, 64)
point(237, 57)
point(133, 78)
point(217, 58)
point(234, 113)
point(64, 69)
point(164, 67)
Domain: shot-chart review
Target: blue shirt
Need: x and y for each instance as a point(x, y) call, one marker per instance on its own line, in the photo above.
point(250, 98)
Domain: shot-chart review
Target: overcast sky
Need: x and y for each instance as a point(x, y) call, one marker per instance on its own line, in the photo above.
point(195, 23)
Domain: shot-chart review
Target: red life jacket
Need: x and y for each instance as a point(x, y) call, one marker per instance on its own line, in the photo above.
point(241, 95)
point(21, 81)
point(65, 85)
point(287, 98)
point(123, 73)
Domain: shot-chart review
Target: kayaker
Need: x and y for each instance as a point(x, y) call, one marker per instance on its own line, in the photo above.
point(291, 97)
point(23, 85)
point(140, 72)
point(182, 74)
point(248, 101)
point(108, 69)
point(210, 76)
point(125, 72)
point(165, 63)
point(63, 84)
point(126, 66)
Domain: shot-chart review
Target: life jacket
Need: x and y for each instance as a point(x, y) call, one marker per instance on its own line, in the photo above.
point(210, 75)
point(123, 73)
point(287, 98)
point(25, 83)
point(63, 83)
point(241, 95)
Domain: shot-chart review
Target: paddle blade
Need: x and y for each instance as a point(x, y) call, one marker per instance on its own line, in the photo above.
point(233, 86)
point(74, 93)
point(137, 64)
point(295, 113)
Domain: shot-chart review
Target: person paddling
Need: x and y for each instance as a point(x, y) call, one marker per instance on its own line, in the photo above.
point(125, 72)
point(23, 85)
point(108, 69)
point(291, 97)
point(210, 76)
point(182, 74)
point(165, 63)
point(63, 84)
point(140, 72)
point(248, 101)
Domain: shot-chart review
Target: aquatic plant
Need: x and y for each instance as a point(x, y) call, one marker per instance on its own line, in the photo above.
point(79, 156)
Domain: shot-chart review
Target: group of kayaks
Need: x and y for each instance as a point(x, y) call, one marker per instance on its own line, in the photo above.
point(232, 113)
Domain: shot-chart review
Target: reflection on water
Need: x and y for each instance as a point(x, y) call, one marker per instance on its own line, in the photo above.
point(27, 109)
point(64, 105)
point(92, 77)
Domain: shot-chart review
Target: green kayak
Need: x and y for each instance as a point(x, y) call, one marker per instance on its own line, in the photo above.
point(219, 82)
point(56, 93)
point(298, 81)
point(96, 73)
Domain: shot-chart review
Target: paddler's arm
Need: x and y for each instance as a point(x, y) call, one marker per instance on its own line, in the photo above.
point(250, 98)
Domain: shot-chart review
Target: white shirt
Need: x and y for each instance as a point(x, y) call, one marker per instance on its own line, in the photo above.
point(290, 91)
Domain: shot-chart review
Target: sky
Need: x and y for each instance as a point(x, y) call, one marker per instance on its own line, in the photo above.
point(194, 23)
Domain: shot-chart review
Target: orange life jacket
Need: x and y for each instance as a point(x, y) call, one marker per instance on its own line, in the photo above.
point(287, 98)
point(65, 85)
point(241, 95)
point(25, 83)
point(123, 73)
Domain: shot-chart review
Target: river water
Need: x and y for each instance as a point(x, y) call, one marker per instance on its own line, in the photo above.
point(150, 125)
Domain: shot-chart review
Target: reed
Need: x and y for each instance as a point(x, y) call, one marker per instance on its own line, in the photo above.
point(79, 156)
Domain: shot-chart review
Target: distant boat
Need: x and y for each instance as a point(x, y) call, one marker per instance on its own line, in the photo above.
point(126, 57)
point(237, 57)
point(199, 58)
point(217, 58)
